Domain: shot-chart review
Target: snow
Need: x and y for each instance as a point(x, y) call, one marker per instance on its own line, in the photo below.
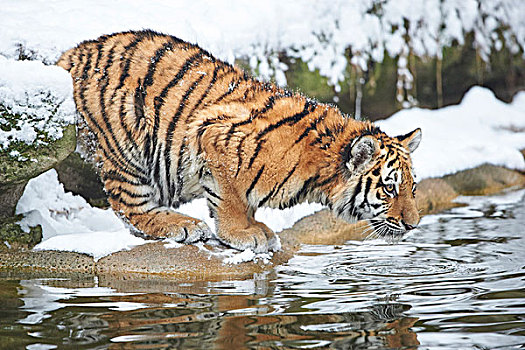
point(41, 95)
point(258, 30)
point(481, 129)
point(69, 223)
point(246, 255)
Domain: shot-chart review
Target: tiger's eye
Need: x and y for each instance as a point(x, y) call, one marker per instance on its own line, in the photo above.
point(389, 188)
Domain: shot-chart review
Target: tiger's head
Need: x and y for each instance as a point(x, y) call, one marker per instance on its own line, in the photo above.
point(379, 184)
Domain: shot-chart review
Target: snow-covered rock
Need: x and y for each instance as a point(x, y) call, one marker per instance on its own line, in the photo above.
point(36, 103)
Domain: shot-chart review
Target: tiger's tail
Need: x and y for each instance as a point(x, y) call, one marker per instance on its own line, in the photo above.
point(66, 59)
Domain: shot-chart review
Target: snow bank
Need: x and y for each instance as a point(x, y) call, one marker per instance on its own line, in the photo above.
point(319, 32)
point(481, 129)
point(69, 222)
point(38, 100)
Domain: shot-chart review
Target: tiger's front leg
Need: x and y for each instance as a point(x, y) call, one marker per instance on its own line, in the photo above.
point(236, 226)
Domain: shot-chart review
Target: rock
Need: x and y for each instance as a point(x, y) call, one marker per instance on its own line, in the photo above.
point(434, 195)
point(37, 116)
point(12, 236)
point(46, 261)
point(9, 196)
point(14, 173)
point(485, 179)
point(187, 262)
point(324, 227)
point(81, 178)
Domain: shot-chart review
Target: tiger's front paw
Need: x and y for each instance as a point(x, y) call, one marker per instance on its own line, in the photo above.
point(258, 238)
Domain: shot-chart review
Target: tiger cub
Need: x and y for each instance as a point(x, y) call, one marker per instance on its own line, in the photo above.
point(173, 123)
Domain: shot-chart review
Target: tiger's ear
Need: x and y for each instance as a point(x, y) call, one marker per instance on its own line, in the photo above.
point(411, 140)
point(360, 152)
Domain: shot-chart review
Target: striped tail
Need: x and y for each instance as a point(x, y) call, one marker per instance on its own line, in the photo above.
point(66, 60)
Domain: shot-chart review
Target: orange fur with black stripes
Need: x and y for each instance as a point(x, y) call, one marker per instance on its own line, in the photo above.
point(173, 123)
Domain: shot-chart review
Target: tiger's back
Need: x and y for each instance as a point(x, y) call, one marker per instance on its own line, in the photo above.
point(173, 123)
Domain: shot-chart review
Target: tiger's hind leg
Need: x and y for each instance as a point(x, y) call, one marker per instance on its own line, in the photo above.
point(162, 222)
point(137, 203)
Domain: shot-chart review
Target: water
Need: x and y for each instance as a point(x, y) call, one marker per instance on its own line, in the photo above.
point(456, 283)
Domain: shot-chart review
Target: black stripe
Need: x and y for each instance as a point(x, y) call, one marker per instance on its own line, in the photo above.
point(80, 66)
point(301, 193)
point(268, 105)
point(171, 129)
point(100, 134)
point(87, 66)
point(113, 175)
point(156, 174)
point(133, 194)
point(327, 133)
point(148, 79)
point(256, 153)
point(180, 180)
point(100, 46)
point(130, 215)
point(356, 192)
point(239, 149)
point(211, 193)
point(278, 187)
point(118, 197)
point(309, 106)
point(311, 127)
point(254, 182)
point(159, 100)
point(327, 181)
point(138, 102)
point(391, 162)
point(129, 51)
point(306, 187)
point(368, 185)
point(232, 86)
point(122, 115)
